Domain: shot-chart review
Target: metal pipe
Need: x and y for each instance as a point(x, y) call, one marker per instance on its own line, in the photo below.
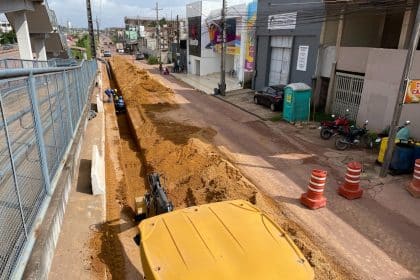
point(14, 73)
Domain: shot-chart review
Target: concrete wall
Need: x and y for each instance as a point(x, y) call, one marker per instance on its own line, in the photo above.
point(326, 60)
point(383, 74)
point(304, 34)
point(363, 30)
point(353, 59)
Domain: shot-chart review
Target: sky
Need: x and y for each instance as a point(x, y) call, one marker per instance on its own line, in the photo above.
point(111, 12)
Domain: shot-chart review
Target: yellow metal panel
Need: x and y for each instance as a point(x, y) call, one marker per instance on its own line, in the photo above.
point(225, 240)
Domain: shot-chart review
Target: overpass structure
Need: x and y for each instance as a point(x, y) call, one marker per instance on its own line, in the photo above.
point(37, 29)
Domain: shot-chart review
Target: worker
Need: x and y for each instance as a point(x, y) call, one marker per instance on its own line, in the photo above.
point(110, 93)
point(115, 95)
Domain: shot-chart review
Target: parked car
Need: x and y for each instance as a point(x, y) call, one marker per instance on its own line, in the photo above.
point(139, 56)
point(271, 97)
point(107, 53)
point(7, 47)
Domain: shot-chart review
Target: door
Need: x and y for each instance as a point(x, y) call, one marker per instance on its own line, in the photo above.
point(281, 52)
point(348, 90)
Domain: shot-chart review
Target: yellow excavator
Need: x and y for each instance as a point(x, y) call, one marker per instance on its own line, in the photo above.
point(224, 240)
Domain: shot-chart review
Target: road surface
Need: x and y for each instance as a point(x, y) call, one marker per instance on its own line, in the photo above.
point(364, 235)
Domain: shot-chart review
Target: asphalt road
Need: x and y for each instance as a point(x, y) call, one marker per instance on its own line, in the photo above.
point(369, 238)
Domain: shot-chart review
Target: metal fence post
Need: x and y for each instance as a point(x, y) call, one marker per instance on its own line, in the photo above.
point(76, 91)
point(67, 94)
point(39, 133)
point(58, 99)
point(53, 121)
point(12, 163)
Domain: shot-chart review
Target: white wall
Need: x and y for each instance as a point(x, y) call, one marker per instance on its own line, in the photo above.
point(326, 60)
point(383, 75)
point(353, 59)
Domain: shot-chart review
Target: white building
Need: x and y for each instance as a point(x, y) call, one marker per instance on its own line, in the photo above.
point(201, 61)
point(5, 26)
point(203, 53)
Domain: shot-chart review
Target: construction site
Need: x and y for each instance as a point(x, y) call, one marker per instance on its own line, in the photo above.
point(254, 140)
point(195, 171)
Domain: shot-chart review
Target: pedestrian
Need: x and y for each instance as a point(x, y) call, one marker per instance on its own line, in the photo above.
point(160, 67)
point(176, 67)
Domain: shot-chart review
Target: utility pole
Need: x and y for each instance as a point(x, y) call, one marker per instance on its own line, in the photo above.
point(414, 41)
point(90, 28)
point(222, 86)
point(97, 29)
point(177, 32)
point(158, 31)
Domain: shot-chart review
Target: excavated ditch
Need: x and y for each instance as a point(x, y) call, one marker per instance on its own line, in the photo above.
point(194, 170)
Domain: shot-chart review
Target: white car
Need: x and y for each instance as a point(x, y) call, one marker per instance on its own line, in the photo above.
point(120, 51)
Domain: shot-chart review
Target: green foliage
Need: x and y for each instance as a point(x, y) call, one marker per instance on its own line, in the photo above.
point(277, 117)
point(8, 38)
point(83, 42)
point(152, 60)
point(162, 21)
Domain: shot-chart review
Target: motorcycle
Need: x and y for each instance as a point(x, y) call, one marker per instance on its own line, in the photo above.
point(338, 125)
point(354, 137)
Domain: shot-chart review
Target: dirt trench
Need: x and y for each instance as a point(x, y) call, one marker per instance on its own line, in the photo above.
point(194, 170)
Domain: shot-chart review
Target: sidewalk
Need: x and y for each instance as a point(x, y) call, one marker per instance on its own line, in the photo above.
point(80, 238)
point(390, 192)
point(207, 83)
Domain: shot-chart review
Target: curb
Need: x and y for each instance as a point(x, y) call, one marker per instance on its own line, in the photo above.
point(221, 98)
point(239, 107)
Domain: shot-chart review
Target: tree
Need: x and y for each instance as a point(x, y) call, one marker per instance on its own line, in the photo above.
point(162, 21)
point(8, 38)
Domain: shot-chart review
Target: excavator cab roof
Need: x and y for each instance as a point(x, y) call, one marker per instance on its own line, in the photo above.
point(223, 240)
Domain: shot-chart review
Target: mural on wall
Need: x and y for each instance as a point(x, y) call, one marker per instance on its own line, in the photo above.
point(250, 38)
point(233, 41)
point(412, 93)
point(194, 35)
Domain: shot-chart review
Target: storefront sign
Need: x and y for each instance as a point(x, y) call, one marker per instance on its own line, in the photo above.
point(282, 21)
point(194, 35)
point(250, 40)
point(302, 60)
point(412, 93)
point(215, 34)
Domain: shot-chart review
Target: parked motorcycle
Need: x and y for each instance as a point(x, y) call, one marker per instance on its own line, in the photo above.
point(354, 137)
point(338, 125)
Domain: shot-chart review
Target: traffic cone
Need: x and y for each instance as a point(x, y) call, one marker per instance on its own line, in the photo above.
point(314, 197)
point(351, 187)
point(414, 187)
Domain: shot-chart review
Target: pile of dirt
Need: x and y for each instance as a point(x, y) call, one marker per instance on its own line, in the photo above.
point(194, 170)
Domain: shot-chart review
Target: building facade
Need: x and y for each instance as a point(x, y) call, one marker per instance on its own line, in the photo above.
point(287, 42)
point(204, 47)
point(361, 61)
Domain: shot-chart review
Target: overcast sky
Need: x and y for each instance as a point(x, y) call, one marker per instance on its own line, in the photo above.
point(111, 12)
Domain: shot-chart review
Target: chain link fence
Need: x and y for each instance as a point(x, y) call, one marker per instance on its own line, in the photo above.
point(39, 116)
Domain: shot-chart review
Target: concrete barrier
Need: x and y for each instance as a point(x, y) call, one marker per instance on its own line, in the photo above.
point(97, 172)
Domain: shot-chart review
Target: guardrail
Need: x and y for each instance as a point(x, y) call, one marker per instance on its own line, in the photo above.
point(15, 63)
point(40, 110)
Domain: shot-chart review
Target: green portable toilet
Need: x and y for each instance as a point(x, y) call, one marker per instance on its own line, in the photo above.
point(297, 102)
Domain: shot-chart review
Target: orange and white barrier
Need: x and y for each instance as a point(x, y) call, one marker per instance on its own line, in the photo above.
point(351, 187)
point(314, 197)
point(414, 187)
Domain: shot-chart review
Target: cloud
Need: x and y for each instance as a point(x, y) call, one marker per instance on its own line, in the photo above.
point(111, 13)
